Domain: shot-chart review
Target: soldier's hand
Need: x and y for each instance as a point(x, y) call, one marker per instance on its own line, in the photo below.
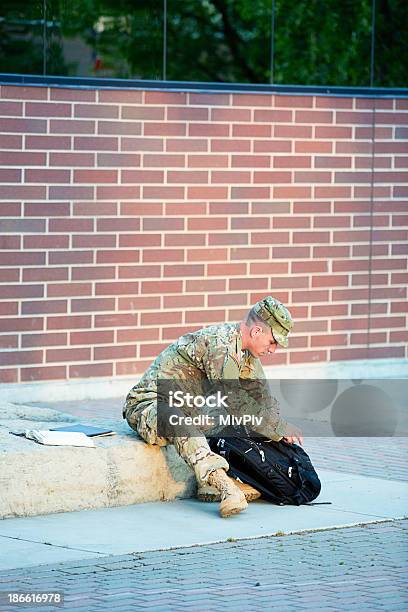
point(293, 434)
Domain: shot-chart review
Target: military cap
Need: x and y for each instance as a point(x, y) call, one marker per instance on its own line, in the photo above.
point(277, 316)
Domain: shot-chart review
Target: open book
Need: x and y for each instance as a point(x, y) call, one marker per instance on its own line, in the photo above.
point(59, 438)
point(88, 430)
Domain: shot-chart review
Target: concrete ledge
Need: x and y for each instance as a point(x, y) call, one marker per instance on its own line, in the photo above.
point(63, 390)
point(122, 470)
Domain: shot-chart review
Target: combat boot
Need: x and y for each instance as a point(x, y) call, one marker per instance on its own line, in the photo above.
point(232, 498)
point(208, 493)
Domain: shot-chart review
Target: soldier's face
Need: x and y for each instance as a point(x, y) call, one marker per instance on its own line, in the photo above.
point(261, 341)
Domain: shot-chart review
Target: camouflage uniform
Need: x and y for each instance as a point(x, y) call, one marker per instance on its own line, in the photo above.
point(214, 354)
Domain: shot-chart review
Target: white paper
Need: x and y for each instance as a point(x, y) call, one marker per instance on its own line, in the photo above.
point(59, 438)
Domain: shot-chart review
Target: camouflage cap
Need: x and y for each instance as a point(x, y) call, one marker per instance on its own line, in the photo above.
point(277, 316)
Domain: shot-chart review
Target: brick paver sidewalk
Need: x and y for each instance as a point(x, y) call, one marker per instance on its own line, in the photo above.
point(357, 568)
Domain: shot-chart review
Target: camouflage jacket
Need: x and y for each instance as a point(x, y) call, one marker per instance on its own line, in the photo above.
point(213, 354)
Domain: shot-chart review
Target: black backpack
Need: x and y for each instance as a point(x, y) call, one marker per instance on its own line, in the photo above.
point(282, 472)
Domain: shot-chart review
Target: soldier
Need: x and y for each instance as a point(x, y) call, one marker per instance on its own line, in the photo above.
point(229, 351)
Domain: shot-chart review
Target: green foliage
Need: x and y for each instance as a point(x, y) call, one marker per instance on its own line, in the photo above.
point(316, 42)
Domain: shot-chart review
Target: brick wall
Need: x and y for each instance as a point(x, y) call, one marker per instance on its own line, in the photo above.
point(131, 217)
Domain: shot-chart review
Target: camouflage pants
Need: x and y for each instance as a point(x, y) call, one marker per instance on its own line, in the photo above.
point(194, 449)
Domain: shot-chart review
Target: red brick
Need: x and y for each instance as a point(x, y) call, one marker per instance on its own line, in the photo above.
point(270, 268)
point(9, 292)
point(10, 141)
point(71, 159)
point(22, 192)
point(229, 299)
point(313, 146)
point(117, 256)
point(73, 94)
point(334, 280)
point(92, 304)
point(21, 324)
point(229, 208)
point(310, 296)
point(307, 356)
point(230, 114)
point(22, 158)
point(8, 375)
point(133, 240)
point(10, 175)
point(252, 99)
point(67, 290)
point(71, 126)
point(142, 144)
point(123, 351)
point(183, 301)
point(251, 130)
point(291, 222)
point(21, 357)
point(138, 303)
point(96, 111)
point(249, 253)
point(246, 284)
point(210, 99)
point(116, 128)
point(165, 97)
point(137, 335)
point(204, 223)
point(47, 109)
point(249, 161)
point(293, 131)
point(313, 116)
point(25, 126)
point(143, 271)
point(10, 242)
point(330, 310)
point(187, 177)
point(291, 192)
point(205, 285)
point(71, 192)
point(117, 320)
point(230, 238)
point(336, 132)
point(94, 272)
point(141, 208)
point(8, 308)
point(186, 113)
point(172, 333)
point(152, 350)
point(332, 191)
point(250, 223)
point(273, 116)
point(230, 145)
point(9, 275)
point(269, 208)
point(167, 129)
point(109, 193)
point(95, 176)
point(9, 342)
point(366, 133)
point(126, 368)
point(48, 143)
point(331, 340)
point(45, 274)
point(207, 161)
point(162, 287)
point(206, 130)
point(10, 209)
point(201, 193)
point(184, 240)
point(184, 270)
point(162, 192)
point(71, 225)
point(160, 318)
point(312, 177)
point(293, 101)
point(44, 339)
point(46, 242)
point(91, 369)
point(91, 337)
point(399, 307)
point(46, 373)
point(207, 255)
point(226, 269)
point(250, 192)
point(343, 295)
point(68, 322)
point(165, 161)
point(186, 145)
point(271, 177)
point(22, 92)
point(271, 238)
point(93, 240)
point(142, 112)
point(95, 143)
point(354, 147)
point(364, 309)
point(285, 282)
point(115, 288)
point(44, 307)
point(15, 258)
